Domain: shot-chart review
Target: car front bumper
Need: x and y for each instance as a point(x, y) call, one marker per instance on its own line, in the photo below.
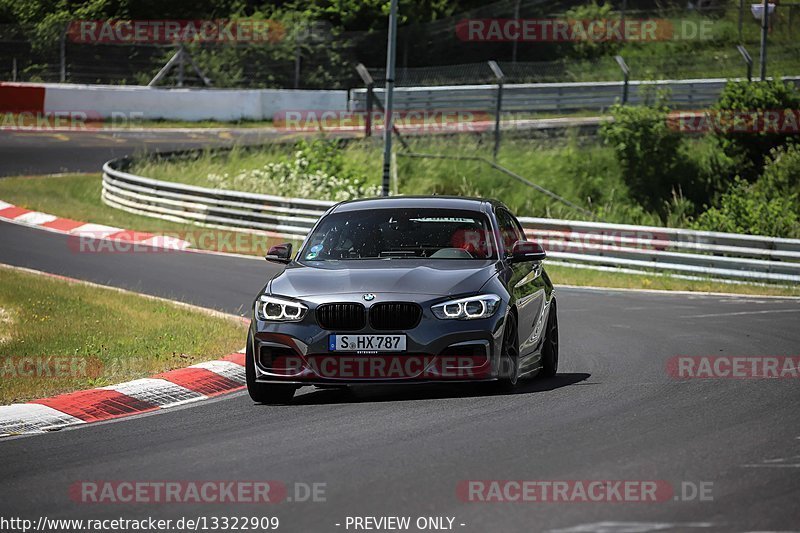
point(436, 350)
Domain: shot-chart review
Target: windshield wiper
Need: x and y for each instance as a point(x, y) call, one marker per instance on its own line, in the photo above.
point(398, 253)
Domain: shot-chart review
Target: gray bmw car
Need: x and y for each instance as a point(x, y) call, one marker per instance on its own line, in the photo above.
point(404, 290)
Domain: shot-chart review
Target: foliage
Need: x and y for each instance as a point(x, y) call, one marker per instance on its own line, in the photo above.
point(315, 171)
point(782, 173)
point(593, 48)
point(746, 209)
point(767, 207)
point(646, 148)
point(750, 148)
point(371, 15)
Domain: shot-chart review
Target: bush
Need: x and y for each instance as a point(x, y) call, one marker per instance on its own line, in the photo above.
point(767, 207)
point(782, 174)
point(706, 170)
point(648, 152)
point(316, 171)
point(746, 209)
point(751, 148)
point(591, 48)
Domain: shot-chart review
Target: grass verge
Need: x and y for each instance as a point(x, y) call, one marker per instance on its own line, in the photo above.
point(87, 336)
point(77, 196)
point(562, 275)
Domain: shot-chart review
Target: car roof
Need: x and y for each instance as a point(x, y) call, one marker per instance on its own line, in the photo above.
point(396, 202)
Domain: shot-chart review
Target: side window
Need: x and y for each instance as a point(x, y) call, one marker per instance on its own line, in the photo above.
point(509, 231)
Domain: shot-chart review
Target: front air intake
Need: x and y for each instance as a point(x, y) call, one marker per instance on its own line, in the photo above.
point(394, 316)
point(341, 317)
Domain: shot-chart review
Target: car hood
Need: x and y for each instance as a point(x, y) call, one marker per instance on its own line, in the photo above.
point(431, 277)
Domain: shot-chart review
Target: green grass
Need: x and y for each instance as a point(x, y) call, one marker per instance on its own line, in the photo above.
point(114, 336)
point(77, 196)
point(586, 174)
point(562, 275)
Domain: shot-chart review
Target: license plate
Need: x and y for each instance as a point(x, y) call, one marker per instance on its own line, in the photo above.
point(367, 343)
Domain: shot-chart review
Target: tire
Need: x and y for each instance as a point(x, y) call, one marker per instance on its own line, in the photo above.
point(550, 349)
point(510, 355)
point(264, 392)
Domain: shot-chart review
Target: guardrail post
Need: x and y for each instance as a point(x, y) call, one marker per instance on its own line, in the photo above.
point(499, 105)
point(626, 76)
point(748, 61)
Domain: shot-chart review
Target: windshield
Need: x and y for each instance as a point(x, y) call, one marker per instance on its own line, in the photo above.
point(401, 233)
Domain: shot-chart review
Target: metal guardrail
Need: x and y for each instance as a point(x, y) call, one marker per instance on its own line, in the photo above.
point(592, 244)
point(286, 217)
point(533, 97)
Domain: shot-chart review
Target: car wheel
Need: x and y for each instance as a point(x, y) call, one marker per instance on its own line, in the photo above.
point(263, 392)
point(510, 356)
point(550, 349)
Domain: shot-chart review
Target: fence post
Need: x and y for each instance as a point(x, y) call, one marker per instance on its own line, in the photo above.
point(741, 14)
point(748, 60)
point(626, 76)
point(514, 44)
point(166, 68)
point(368, 119)
point(498, 73)
point(181, 66)
point(297, 59)
point(366, 77)
point(764, 29)
point(63, 55)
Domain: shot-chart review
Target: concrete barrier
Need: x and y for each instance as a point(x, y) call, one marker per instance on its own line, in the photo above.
point(21, 98)
point(138, 102)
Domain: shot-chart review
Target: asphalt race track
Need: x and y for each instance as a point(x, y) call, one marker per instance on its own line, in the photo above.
point(613, 413)
point(21, 152)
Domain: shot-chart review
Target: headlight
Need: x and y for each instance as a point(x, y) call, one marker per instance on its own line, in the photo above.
point(274, 309)
point(482, 306)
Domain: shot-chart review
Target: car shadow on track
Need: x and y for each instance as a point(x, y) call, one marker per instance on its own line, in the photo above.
point(404, 392)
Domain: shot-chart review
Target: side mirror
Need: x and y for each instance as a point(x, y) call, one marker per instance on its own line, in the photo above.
point(526, 251)
point(281, 253)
